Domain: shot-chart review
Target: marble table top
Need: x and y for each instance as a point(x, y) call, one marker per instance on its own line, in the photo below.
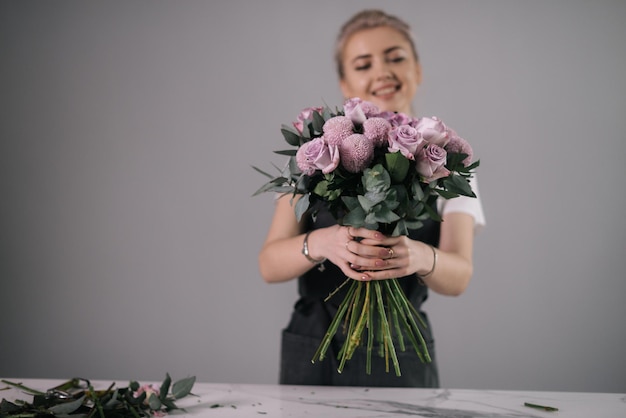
point(253, 400)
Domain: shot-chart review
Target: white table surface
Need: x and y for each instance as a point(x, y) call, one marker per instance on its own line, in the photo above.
point(251, 400)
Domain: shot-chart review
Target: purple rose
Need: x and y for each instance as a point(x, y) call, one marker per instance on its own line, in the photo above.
point(460, 146)
point(317, 155)
point(356, 153)
point(398, 119)
point(376, 129)
point(431, 162)
point(433, 130)
point(407, 140)
point(305, 114)
point(336, 129)
point(358, 110)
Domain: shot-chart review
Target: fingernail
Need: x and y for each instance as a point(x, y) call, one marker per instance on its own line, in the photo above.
point(381, 263)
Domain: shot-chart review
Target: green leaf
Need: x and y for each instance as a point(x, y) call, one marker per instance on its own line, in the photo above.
point(290, 135)
point(279, 184)
point(302, 206)
point(318, 122)
point(376, 179)
point(287, 152)
point(351, 202)
point(457, 184)
point(461, 185)
point(446, 194)
point(165, 386)
point(154, 402)
point(397, 165)
point(385, 215)
point(111, 403)
point(366, 203)
point(432, 213)
point(169, 404)
point(66, 408)
point(266, 174)
point(183, 387)
point(356, 217)
point(8, 408)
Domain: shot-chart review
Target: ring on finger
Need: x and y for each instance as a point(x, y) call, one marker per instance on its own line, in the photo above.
point(391, 253)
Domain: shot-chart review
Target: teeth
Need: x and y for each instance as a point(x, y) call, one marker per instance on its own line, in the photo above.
point(382, 92)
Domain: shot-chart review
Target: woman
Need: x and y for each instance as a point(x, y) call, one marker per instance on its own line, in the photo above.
point(376, 61)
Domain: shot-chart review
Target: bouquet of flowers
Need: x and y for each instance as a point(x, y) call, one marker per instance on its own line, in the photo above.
point(77, 397)
point(382, 171)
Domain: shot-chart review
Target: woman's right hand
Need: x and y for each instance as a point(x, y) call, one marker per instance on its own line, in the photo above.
point(354, 250)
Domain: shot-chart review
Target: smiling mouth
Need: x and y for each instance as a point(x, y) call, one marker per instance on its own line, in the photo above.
point(386, 91)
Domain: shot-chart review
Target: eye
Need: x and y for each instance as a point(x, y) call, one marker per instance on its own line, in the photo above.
point(363, 67)
point(396, 59)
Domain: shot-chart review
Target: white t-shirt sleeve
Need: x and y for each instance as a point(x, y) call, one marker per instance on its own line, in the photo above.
point(464, 204)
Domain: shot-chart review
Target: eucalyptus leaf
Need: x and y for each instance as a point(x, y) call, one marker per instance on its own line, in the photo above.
point(183, 387)
point(302, 206)
point(165, 386)
point(169, 404)
point(7, 407)
point(263, 172)
point(113, 402)
point(356, 217)
point(386, 216)
point(66, 408)
point(318, 122)
point(366, 203)
point(154, 402)
point(290, 136)
point(288, 152)
point(397, 165)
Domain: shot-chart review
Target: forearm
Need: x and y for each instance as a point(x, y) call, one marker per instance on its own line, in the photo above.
point(451, 274)
point(454, 267)
point(282, 260)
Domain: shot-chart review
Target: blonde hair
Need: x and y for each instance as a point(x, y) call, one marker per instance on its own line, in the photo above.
point(369, 19)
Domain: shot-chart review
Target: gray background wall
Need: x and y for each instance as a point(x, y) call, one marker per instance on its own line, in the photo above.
point(129, 237)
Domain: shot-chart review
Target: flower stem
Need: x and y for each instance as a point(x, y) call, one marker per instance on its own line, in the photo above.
point(389, 348)
point(409, 314)
point(354, 338)
point(23, 388)
point(332, 329)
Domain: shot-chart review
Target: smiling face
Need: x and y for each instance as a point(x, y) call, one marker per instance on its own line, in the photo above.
point(379, 66)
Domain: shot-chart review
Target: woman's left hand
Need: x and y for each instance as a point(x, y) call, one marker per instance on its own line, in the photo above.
point(401, 256)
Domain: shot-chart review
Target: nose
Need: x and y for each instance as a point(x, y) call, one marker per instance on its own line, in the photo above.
point(383, 71)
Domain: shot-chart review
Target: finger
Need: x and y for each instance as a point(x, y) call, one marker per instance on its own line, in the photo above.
point(365, 233)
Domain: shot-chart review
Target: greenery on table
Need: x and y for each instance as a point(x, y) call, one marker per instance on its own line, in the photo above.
point(77, 398)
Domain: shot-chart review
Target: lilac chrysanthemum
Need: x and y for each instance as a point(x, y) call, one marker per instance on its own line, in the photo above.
point(356, 152)
point(336, 129)
point(460, 146)
point(376, 130)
